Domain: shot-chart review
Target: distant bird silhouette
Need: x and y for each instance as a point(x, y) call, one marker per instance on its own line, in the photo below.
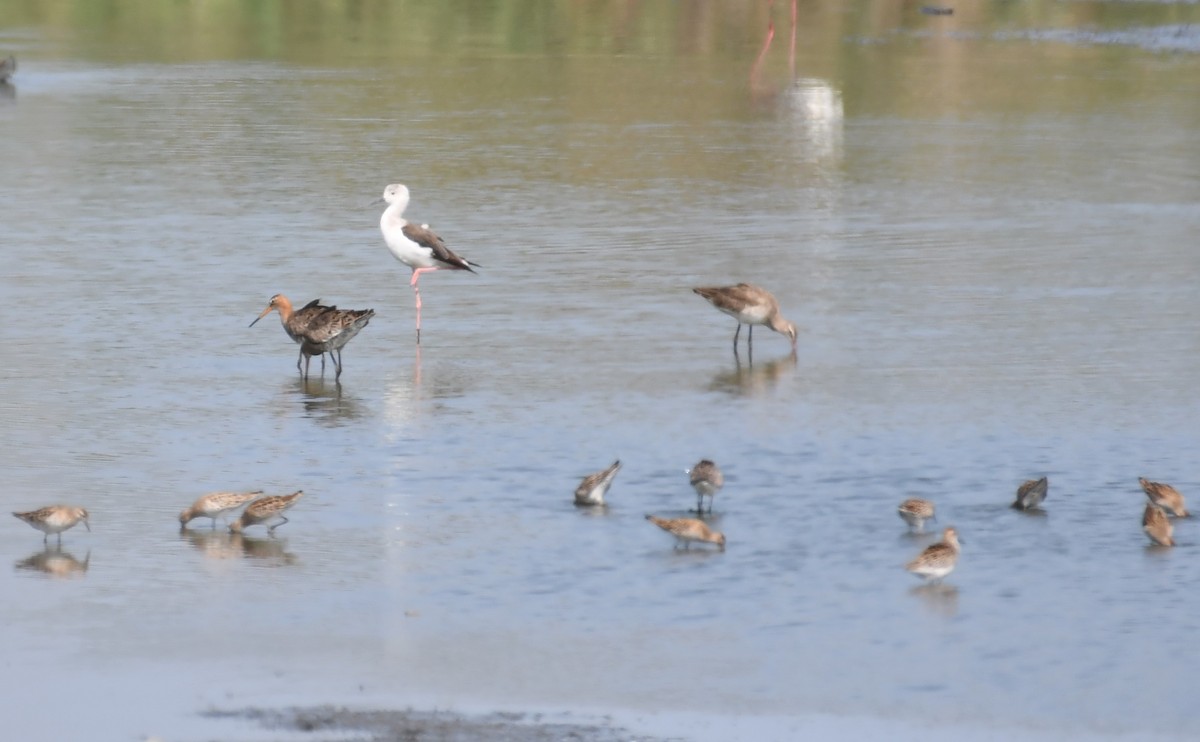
point(1031, 494)
point(916, 511)
point(706, 478)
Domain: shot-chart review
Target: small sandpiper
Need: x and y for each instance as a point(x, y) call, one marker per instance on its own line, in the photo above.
point(1164, 496)
point(706, 478)
point(1031, 493)
point(916, 511)
point(592, 489)
point(1157, 526)
point(214, 504)
point(687, 530)
point(264, 510)
point(55, 519)
point(938, 560)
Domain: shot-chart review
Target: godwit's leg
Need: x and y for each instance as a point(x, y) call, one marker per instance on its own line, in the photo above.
point(700, 503)
point(736, 332)
point(417, 293)
point(322, 365)
point(298, 357)
point(337, 363)
point(282, 520)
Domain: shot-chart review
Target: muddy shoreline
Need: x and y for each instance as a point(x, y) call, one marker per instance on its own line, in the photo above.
point(334, 722)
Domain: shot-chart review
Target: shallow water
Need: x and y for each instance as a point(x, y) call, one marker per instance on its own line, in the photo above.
point(985, 226)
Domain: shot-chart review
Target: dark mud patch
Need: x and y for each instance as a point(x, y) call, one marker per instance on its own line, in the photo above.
point(334, 723)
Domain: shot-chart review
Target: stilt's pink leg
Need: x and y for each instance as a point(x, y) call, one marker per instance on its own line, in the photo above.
point(417, 292)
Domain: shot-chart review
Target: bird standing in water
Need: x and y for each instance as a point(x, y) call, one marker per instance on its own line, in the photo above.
point(415, 245)
point(319, 329)
point(749, 305)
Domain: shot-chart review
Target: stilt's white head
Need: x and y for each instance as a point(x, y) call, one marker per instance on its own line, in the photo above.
point(396, 195)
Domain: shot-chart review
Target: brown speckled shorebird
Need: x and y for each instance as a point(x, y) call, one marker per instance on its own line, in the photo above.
point(1164, 496)
point(295, 322)
point(687, 530)
point(318, 328)
point(1031, 493)
point(938, 560)
point(1157, 526)
point(264, 510)
point(592, 489)
point(706, 478)
point(749, 305)
point(916, 511)
point(55, 519)
point(214, 504)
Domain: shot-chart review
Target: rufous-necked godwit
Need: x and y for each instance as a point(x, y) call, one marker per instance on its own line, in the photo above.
point(319, 329)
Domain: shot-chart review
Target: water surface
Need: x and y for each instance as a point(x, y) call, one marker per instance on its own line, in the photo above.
point(984, 224)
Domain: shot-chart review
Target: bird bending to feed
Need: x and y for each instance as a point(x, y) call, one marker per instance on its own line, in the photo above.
point(1164, 496)
point(938, 559)
point(318, 329)
point(55, 519)
point(706, 478)
point(1031, 493)
point(687, 530)
point(916, 511)
point(749, 305)
point(1157, 526)
point(592, 489)
point(264, 510)
point(214, 504)
point(415, 245)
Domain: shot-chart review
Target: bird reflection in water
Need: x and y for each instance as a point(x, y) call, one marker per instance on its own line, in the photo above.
point(812, 103)
point(751, 380)
point(938, 598)
point(224, 545)
point(324, 401)
point(8, 67)
point(55, 562)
